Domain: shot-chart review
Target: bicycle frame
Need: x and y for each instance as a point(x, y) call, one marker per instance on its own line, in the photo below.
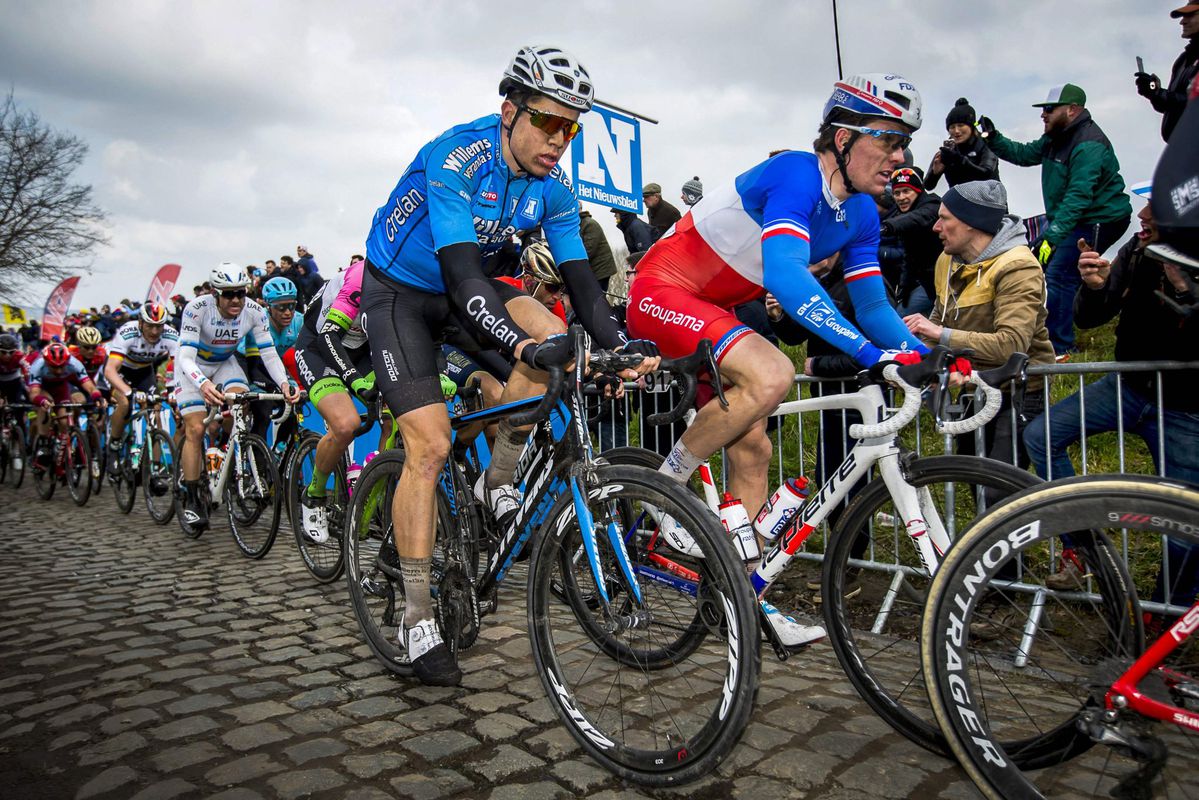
point(232, 447)
point(1125, 693)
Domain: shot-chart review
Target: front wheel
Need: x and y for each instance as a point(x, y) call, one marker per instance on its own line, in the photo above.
point(874, 585)
point(124, 489)
point(646, 708)
point(323, 559)
point(17, 457)
point(79, 466)
point(158, 471)
point(253, 496)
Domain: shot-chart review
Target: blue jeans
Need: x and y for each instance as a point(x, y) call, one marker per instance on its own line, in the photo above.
point(1181, 458)
point(1062, 279)
point(918, 303)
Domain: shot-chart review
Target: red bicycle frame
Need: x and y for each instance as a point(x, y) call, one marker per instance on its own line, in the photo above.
point(1124, 692)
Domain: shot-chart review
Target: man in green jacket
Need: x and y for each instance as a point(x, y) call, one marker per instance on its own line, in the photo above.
point(599, 254)
point(1083, 192)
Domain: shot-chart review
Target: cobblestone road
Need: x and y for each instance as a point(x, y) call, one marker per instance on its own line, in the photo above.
point(137, 663)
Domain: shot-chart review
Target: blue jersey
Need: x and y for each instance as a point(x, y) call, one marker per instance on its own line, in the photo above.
point(459, 189)
point(283, 339)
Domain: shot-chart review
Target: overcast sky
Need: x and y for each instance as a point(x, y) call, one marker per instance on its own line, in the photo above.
point(236, 130)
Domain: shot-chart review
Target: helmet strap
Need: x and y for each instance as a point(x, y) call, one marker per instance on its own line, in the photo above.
point(508, 128)
point(842, 157)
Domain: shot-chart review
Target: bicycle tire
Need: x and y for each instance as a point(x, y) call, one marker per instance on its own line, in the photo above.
point(78, 466)
point(45, 477)
point(724, 675)
point(252, 490)
point(324, 560)
point(894, 690)
point(957, 667)
point(376, 597)
point(158, 465)
point(18, 457)
point(124, 490)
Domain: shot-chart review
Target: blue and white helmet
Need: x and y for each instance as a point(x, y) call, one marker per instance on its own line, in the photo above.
point(228, 275)
point(878, 95)
point(278, 289)
point(551, 72)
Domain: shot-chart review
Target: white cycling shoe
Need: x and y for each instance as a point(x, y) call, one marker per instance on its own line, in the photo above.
point(677, 537)
point(316, 519)
point(502, 500)
point(790, 633)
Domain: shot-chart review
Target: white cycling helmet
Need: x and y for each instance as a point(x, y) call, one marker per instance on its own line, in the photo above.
point(228, 275)
point(877, 95)
point(551, 72)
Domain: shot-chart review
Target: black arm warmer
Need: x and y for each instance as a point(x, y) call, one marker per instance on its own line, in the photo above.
point(328, 341)
point(589, 303)
point(473, 294)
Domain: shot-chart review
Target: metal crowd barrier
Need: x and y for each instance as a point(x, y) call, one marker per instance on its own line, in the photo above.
point(626, 425)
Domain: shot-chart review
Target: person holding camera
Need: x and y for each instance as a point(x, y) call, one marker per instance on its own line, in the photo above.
point(964, 156)
point(1170, 100)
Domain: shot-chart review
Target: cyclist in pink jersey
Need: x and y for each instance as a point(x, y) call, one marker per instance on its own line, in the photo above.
point(759, 234)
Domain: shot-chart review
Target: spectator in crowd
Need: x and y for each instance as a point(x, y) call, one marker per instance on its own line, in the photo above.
point(890, 248)
point(1083, 192)
point(599, 254)
point(270, 267)
point(197, 290)
point(305, 259)
point(1150, 329)
point(921, 244)
point(990, 299)
point(693, 191)
point(637, 236)
point(964, 156)
point(1170, 100)
point(661, 213)
point(178, 301)
point(31, 331)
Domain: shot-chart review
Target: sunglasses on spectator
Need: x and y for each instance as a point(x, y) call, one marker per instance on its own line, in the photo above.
point(549, 124)
point(892, 140)
point(283, 307)
point(233, 294)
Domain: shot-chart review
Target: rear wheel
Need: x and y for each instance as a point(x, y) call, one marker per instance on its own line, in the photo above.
point(124, 488)
point(253, 496)
point(45, 455)
point(158, 476)
point(1019, 674)
point(17, 457)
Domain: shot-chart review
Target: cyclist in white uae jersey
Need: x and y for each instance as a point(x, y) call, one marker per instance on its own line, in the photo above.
point(205, 368)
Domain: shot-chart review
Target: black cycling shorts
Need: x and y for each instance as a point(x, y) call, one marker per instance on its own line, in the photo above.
point(405, 327)
point(140, 379)
point(13, 391)
point(311, 365)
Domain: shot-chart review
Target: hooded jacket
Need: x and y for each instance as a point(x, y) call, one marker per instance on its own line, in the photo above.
point(921, 245)
point(1080, 175)
point(1171, 101)
point(636, 233)
point(995, 305)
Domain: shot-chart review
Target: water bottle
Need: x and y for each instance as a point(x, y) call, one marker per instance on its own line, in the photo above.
point(213, 458)
point(352, 476)
point(781, 508)
point(135, 455)
point(736, 521)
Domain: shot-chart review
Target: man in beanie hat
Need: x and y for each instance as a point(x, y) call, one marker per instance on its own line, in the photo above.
point(693, 191)
point(661, 213)
point(1083, 192)
point(1171, 100)
point(964, 156)
point(921, 244)
point(990, 299)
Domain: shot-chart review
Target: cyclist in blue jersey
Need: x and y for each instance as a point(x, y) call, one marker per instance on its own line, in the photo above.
point(284, 322)
point(759, 234)
point(464, 195)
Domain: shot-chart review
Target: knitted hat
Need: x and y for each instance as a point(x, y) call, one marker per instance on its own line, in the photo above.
point(962, 113)
point(979, 204)
point(652, 188)
point(906, 177)
point(693, 191)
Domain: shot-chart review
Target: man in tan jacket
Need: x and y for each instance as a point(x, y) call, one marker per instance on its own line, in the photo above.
point(990, 299)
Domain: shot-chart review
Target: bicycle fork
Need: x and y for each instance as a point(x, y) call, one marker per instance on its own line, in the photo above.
point(586, 521)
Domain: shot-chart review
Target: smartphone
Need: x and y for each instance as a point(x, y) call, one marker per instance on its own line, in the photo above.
point(1140, 65)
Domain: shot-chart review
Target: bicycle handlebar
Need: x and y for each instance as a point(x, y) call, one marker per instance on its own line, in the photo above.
point(911, 378)
point(989, 382)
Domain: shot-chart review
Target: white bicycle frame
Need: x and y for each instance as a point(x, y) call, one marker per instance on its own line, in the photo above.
point(238, 410)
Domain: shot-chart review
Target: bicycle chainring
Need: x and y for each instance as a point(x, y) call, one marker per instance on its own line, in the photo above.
point(457, 607)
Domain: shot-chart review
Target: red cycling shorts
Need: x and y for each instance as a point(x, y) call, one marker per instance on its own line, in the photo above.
point(674, 318)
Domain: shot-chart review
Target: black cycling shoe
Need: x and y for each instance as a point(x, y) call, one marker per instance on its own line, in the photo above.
point(195, 510)
point(433, 665)
point(114, 461)
point(388, 560)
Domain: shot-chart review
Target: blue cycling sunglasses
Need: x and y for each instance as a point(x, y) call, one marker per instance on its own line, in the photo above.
point(894, 140)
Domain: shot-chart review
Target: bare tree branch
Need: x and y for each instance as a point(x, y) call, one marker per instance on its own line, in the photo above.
point(48, 225)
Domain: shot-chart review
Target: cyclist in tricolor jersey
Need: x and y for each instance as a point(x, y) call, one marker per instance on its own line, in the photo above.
point(760, 234)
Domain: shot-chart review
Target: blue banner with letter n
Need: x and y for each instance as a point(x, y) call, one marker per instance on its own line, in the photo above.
point(605, 159)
